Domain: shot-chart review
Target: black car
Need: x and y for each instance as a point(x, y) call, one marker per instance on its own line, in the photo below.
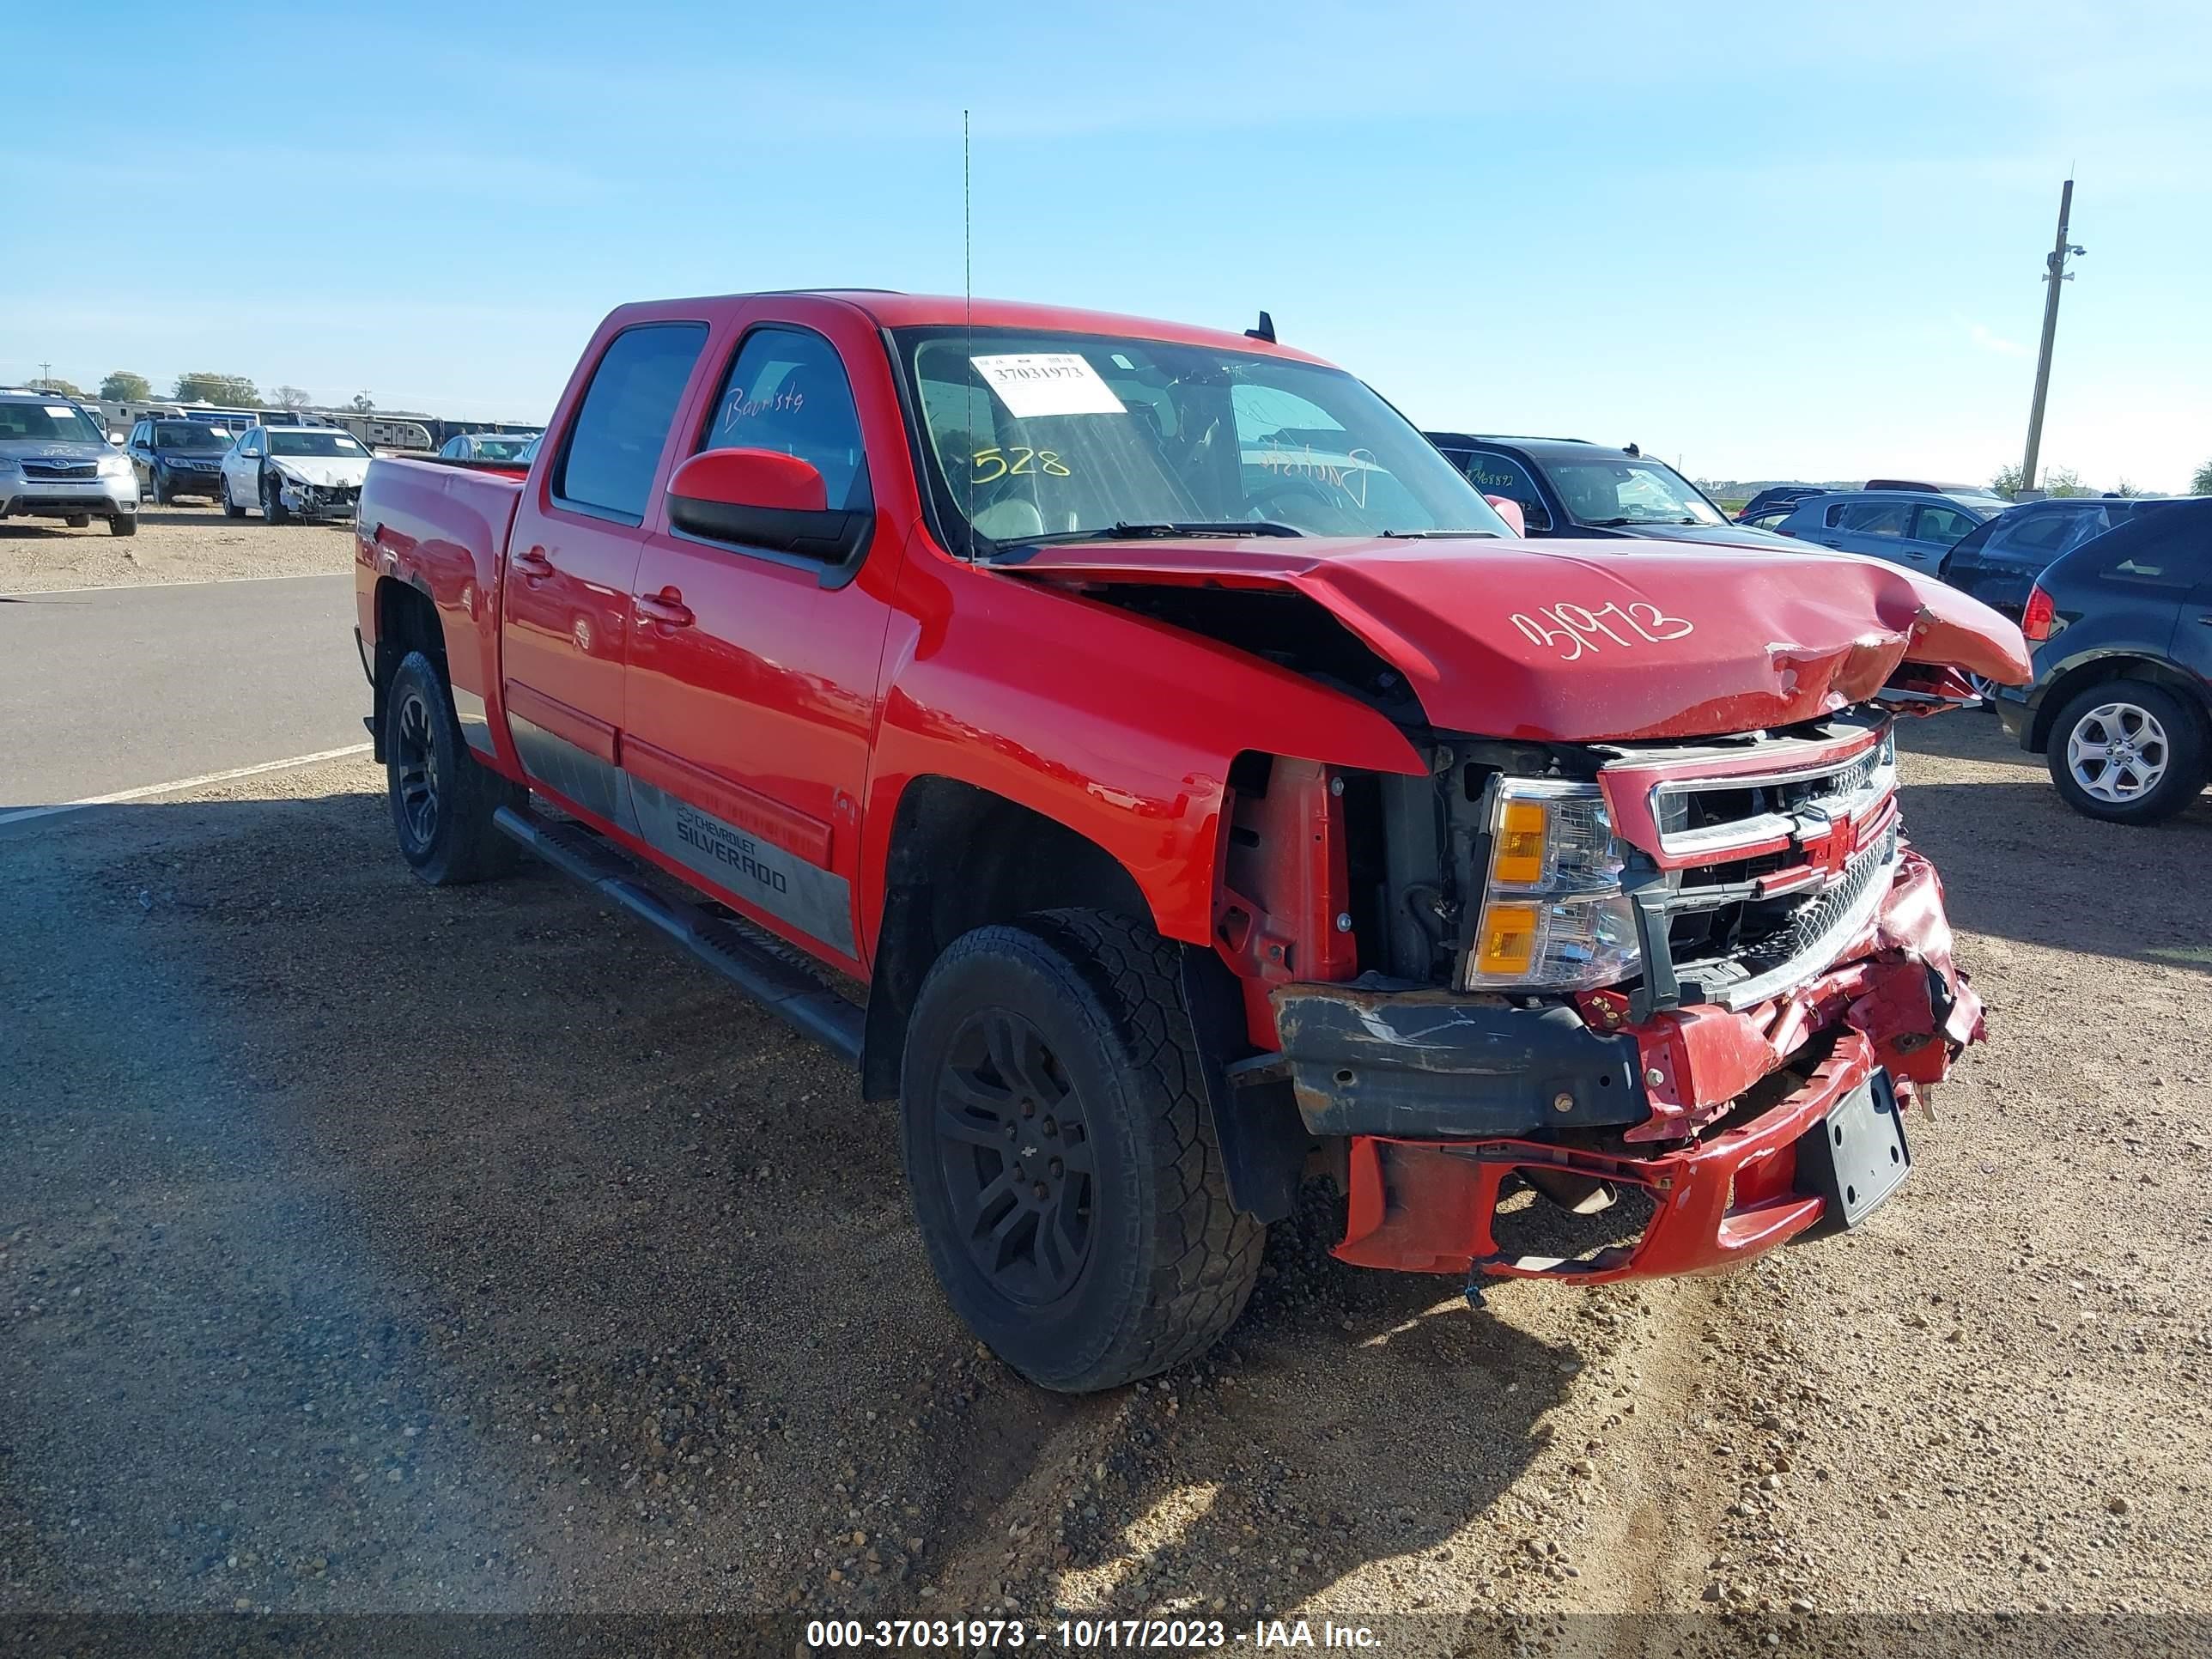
point(177, 458)
point(1999, 559)
point(2121, 703)
point(1774, 502)
point(1566, 487)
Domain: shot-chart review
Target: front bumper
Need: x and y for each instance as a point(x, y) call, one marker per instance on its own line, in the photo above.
point(24, 497)
point(320, 501)
point(1698, 1110)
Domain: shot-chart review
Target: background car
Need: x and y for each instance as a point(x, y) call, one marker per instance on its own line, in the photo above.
point(503, 447)
point(1773, 503)
point(1906, 527)
point(308, 471)
point(56, 463)
point(177, 458)
point(1566, 487)
point(1998, 561)
point(2121, 703)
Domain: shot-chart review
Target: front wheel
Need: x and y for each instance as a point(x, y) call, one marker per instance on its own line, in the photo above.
point(442, 798)
point(230, 509)
point(123, 524)
point(2128, 751)
point(1060, 1156)
point(156, 492)
point(272, 501)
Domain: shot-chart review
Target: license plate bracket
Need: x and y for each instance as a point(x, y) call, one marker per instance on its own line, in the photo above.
point(1857, 1157)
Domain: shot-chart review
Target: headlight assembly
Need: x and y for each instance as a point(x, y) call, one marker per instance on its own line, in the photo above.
point(1553, 915)
point(115, 466)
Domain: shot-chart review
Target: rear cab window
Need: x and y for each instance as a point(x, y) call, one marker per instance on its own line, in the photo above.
point(614, 444)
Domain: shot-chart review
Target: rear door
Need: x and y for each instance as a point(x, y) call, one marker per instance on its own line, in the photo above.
point(565, 595)
point(753, 674)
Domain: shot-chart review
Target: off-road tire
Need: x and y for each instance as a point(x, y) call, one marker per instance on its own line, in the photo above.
point(272, 502)
point(1169, 1261)
point(230, 509)
point(2184, 725)
point(457, 842)
point(123, 524)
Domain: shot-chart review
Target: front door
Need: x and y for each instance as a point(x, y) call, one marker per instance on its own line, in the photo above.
point(752, 681)
point(564, 622)
point(1936, 530)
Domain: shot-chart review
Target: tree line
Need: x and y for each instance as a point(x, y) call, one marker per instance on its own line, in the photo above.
point(199, 387)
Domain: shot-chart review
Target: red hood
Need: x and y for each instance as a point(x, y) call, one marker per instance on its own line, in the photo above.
point(1655, 640)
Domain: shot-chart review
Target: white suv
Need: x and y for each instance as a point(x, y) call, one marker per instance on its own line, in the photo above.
point(56, 463)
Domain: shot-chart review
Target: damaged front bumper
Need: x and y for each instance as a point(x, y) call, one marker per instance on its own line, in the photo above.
point(1718, 1125)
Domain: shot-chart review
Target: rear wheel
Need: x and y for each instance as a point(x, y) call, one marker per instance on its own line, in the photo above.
point(1060, 1156)
point(442, 798)
point(2128, 751)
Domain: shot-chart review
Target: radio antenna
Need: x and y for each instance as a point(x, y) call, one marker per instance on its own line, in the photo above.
point(967, 292)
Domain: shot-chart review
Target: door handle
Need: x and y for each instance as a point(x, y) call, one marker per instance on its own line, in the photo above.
point(2204, 622)
point(665, 606)
point(532, 561)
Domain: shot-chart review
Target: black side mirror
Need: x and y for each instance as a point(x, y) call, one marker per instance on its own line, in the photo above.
point(1538, 520)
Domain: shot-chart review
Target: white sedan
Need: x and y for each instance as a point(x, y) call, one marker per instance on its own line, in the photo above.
point(293, 471)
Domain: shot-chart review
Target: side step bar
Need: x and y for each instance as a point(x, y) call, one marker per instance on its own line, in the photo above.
point(789, 992)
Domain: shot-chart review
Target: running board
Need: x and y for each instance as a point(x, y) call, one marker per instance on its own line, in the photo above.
point(789, 992)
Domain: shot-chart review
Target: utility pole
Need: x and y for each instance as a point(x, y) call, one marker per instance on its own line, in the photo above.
point(2055, 272)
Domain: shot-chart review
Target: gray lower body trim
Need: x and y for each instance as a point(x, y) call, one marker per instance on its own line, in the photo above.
point(781, 883)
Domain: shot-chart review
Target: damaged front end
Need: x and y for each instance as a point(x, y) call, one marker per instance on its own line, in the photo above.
point(1656, 1008)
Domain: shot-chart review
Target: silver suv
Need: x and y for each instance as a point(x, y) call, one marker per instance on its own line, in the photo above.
point(56, 463)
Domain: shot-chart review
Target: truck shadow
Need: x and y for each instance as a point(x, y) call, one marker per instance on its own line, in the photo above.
point(2018, 864)
point(632, 1264)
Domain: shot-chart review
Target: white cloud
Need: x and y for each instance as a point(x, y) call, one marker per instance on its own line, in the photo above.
point(1989, 340)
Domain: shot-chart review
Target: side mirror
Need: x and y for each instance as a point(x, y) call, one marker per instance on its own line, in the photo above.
point(1509, 510)
point(1537, 519)
point(764, 498)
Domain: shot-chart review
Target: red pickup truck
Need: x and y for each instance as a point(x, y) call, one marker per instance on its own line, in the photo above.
point(1208, 790)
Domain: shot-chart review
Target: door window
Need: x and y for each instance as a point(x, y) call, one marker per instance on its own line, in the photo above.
point(786, 391)
point(2031, 538)
point(621, 425)
point(1945, 525)
point(1870, 518)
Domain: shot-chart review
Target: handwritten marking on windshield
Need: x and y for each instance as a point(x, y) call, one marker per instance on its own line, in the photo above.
point(1046, 461)
point(1349, 476)
point(1576, 626)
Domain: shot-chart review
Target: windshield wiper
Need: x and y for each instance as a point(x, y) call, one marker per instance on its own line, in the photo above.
point(1123, 531)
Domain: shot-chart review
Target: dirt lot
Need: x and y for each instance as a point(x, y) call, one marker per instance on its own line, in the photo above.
point(186, 542)
point(365, 1247)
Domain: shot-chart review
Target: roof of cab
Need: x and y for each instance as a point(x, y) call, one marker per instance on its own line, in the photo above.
point(894, 310)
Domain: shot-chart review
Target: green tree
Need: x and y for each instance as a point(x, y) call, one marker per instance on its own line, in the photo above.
point(2124, 488)
point(2064, 481)
point(202, 386)
point(2201, 484)
point(363, 404)
point(2006, 483)
point(55, 385)
point(122, 386)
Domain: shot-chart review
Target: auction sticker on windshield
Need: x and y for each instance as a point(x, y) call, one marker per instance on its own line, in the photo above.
point(1033, 383)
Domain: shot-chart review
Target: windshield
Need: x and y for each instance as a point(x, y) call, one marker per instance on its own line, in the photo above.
point(1075, 436)
point(189, 434)
point(315, 443)
point(48, 422)
point(1629, 491)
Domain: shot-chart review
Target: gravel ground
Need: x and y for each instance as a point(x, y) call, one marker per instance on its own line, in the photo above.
point(364, 1247)
point(185, 543)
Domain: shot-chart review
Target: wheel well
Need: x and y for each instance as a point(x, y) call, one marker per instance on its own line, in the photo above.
point(962, 858)
point(406, 620)
point(2070, 684)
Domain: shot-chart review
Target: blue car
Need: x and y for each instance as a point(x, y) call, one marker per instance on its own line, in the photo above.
point(1913, 528)
point(1566, 487)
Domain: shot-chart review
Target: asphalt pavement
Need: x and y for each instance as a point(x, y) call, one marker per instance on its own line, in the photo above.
point(116, 689)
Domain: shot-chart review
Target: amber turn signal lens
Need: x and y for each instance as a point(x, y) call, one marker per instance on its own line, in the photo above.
point(1521, 832)
point(1509, 939)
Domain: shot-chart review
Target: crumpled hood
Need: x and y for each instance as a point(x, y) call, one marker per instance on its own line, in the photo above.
point(1580, 641)
point(325, 470)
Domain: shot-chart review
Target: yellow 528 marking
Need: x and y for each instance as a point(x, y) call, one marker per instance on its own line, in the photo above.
point(1046, 461)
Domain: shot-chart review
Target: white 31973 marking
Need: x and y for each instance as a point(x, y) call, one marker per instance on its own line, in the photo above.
point(1575, 630)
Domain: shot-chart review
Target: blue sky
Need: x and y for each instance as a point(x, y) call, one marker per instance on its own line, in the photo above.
point(1771, 244)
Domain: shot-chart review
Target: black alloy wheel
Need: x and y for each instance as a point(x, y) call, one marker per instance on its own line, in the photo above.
point(1016, 1155)
point(415, 769)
